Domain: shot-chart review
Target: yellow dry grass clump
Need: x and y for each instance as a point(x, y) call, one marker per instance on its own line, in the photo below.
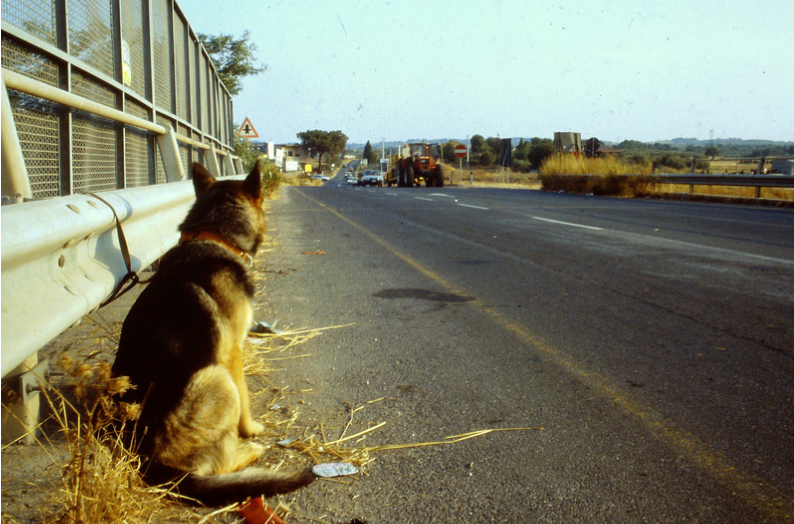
point(602, 166)
point(598, 176)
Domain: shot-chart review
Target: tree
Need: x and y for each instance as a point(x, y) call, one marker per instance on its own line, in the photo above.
point(233, 59)
point(478, 144)
point(370, 155)
point(522, 150)
point(486, 159)
point(448, 152)
point(712, 151)
point(495, 144)
point(321, 142)
point(367, 151)
point(631, 144)
point(591, 147)
point(540, 151)
point(246, 152)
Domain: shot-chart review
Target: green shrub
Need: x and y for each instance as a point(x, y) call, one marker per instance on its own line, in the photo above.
point(271, 176)
point(486, 159)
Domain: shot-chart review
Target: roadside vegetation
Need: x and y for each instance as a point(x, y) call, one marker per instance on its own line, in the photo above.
point(598, 176)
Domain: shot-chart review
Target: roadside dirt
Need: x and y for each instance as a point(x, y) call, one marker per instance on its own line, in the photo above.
point(33, 478)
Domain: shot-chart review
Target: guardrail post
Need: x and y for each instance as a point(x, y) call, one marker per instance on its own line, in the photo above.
point(169, 151)
point(229, 165)
point(15, 183)
point(21, 416)
point(212, 162)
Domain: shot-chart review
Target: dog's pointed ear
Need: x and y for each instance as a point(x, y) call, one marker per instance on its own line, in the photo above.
point(253, 184)
point(202, 179)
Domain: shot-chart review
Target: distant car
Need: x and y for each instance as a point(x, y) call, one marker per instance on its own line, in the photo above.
point(351, 180)
point(371, 177)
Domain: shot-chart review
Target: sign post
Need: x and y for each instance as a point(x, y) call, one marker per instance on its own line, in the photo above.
point(460, 152)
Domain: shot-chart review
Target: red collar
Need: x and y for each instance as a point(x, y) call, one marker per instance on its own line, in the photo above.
point(187, 236)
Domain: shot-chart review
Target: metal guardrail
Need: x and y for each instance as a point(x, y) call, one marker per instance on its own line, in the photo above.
point(756, 181)
point(61, 257)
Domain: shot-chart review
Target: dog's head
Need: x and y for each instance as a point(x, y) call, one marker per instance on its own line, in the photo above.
point(231, 209)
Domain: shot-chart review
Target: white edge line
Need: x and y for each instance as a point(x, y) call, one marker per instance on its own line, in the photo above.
point(425, 199)
point(474, 207)
point(567, 223)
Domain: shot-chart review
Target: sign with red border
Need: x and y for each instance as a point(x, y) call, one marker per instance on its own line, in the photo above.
point(247, 130)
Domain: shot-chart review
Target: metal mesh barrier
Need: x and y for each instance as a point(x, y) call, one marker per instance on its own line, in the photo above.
point(36, 17)
point(93, 153)
point(139, 150)
point(26, 61)
point(180, 68)
point(37, 120)
point(161, 25)
point(37, 127)
point(85, 87)
point(136, 56)
point(203, 90)
point(91, 33)
point(133, 45)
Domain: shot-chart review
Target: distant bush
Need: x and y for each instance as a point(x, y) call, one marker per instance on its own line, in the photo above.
point(671, 161)
point(487, 158)
point(521, 166)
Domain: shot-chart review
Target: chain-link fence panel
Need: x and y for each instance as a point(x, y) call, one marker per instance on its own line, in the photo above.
point(36, 17)
point(91, 33)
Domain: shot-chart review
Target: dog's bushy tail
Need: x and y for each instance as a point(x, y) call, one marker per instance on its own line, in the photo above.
point(228, 488)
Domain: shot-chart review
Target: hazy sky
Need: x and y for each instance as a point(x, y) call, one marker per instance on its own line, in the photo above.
point(616, 70)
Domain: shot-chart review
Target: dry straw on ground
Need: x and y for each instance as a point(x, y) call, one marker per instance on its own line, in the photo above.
point(100, 480)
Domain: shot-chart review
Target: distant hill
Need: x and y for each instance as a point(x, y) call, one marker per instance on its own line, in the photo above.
point(675, 142)
point(724, 141)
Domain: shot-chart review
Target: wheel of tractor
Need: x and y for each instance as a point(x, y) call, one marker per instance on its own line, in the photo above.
point(439, 175)
point(409, 176)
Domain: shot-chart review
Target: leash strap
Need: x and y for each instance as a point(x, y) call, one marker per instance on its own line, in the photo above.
point(131, 278)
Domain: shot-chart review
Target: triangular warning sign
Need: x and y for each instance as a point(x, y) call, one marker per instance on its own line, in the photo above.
point(247, 130)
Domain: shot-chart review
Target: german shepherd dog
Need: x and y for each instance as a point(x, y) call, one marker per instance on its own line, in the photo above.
point(181, 346)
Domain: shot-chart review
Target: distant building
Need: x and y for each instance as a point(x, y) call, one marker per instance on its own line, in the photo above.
point(294, 151)
point(784, 166)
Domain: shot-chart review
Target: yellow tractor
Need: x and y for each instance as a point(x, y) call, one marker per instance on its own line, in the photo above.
point(415, 163)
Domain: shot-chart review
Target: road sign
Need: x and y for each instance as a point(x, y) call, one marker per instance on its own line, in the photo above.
point(247, 130)
point(460, 150)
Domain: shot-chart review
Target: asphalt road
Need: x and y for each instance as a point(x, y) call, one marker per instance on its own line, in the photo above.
point(653, 341)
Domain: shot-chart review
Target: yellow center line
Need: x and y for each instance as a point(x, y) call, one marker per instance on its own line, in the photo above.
point(752, 490)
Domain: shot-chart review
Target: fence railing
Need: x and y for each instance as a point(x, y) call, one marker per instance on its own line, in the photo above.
point(756, 181)
point(110, 96)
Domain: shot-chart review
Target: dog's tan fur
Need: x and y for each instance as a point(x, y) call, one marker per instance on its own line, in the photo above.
point(182, 347)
